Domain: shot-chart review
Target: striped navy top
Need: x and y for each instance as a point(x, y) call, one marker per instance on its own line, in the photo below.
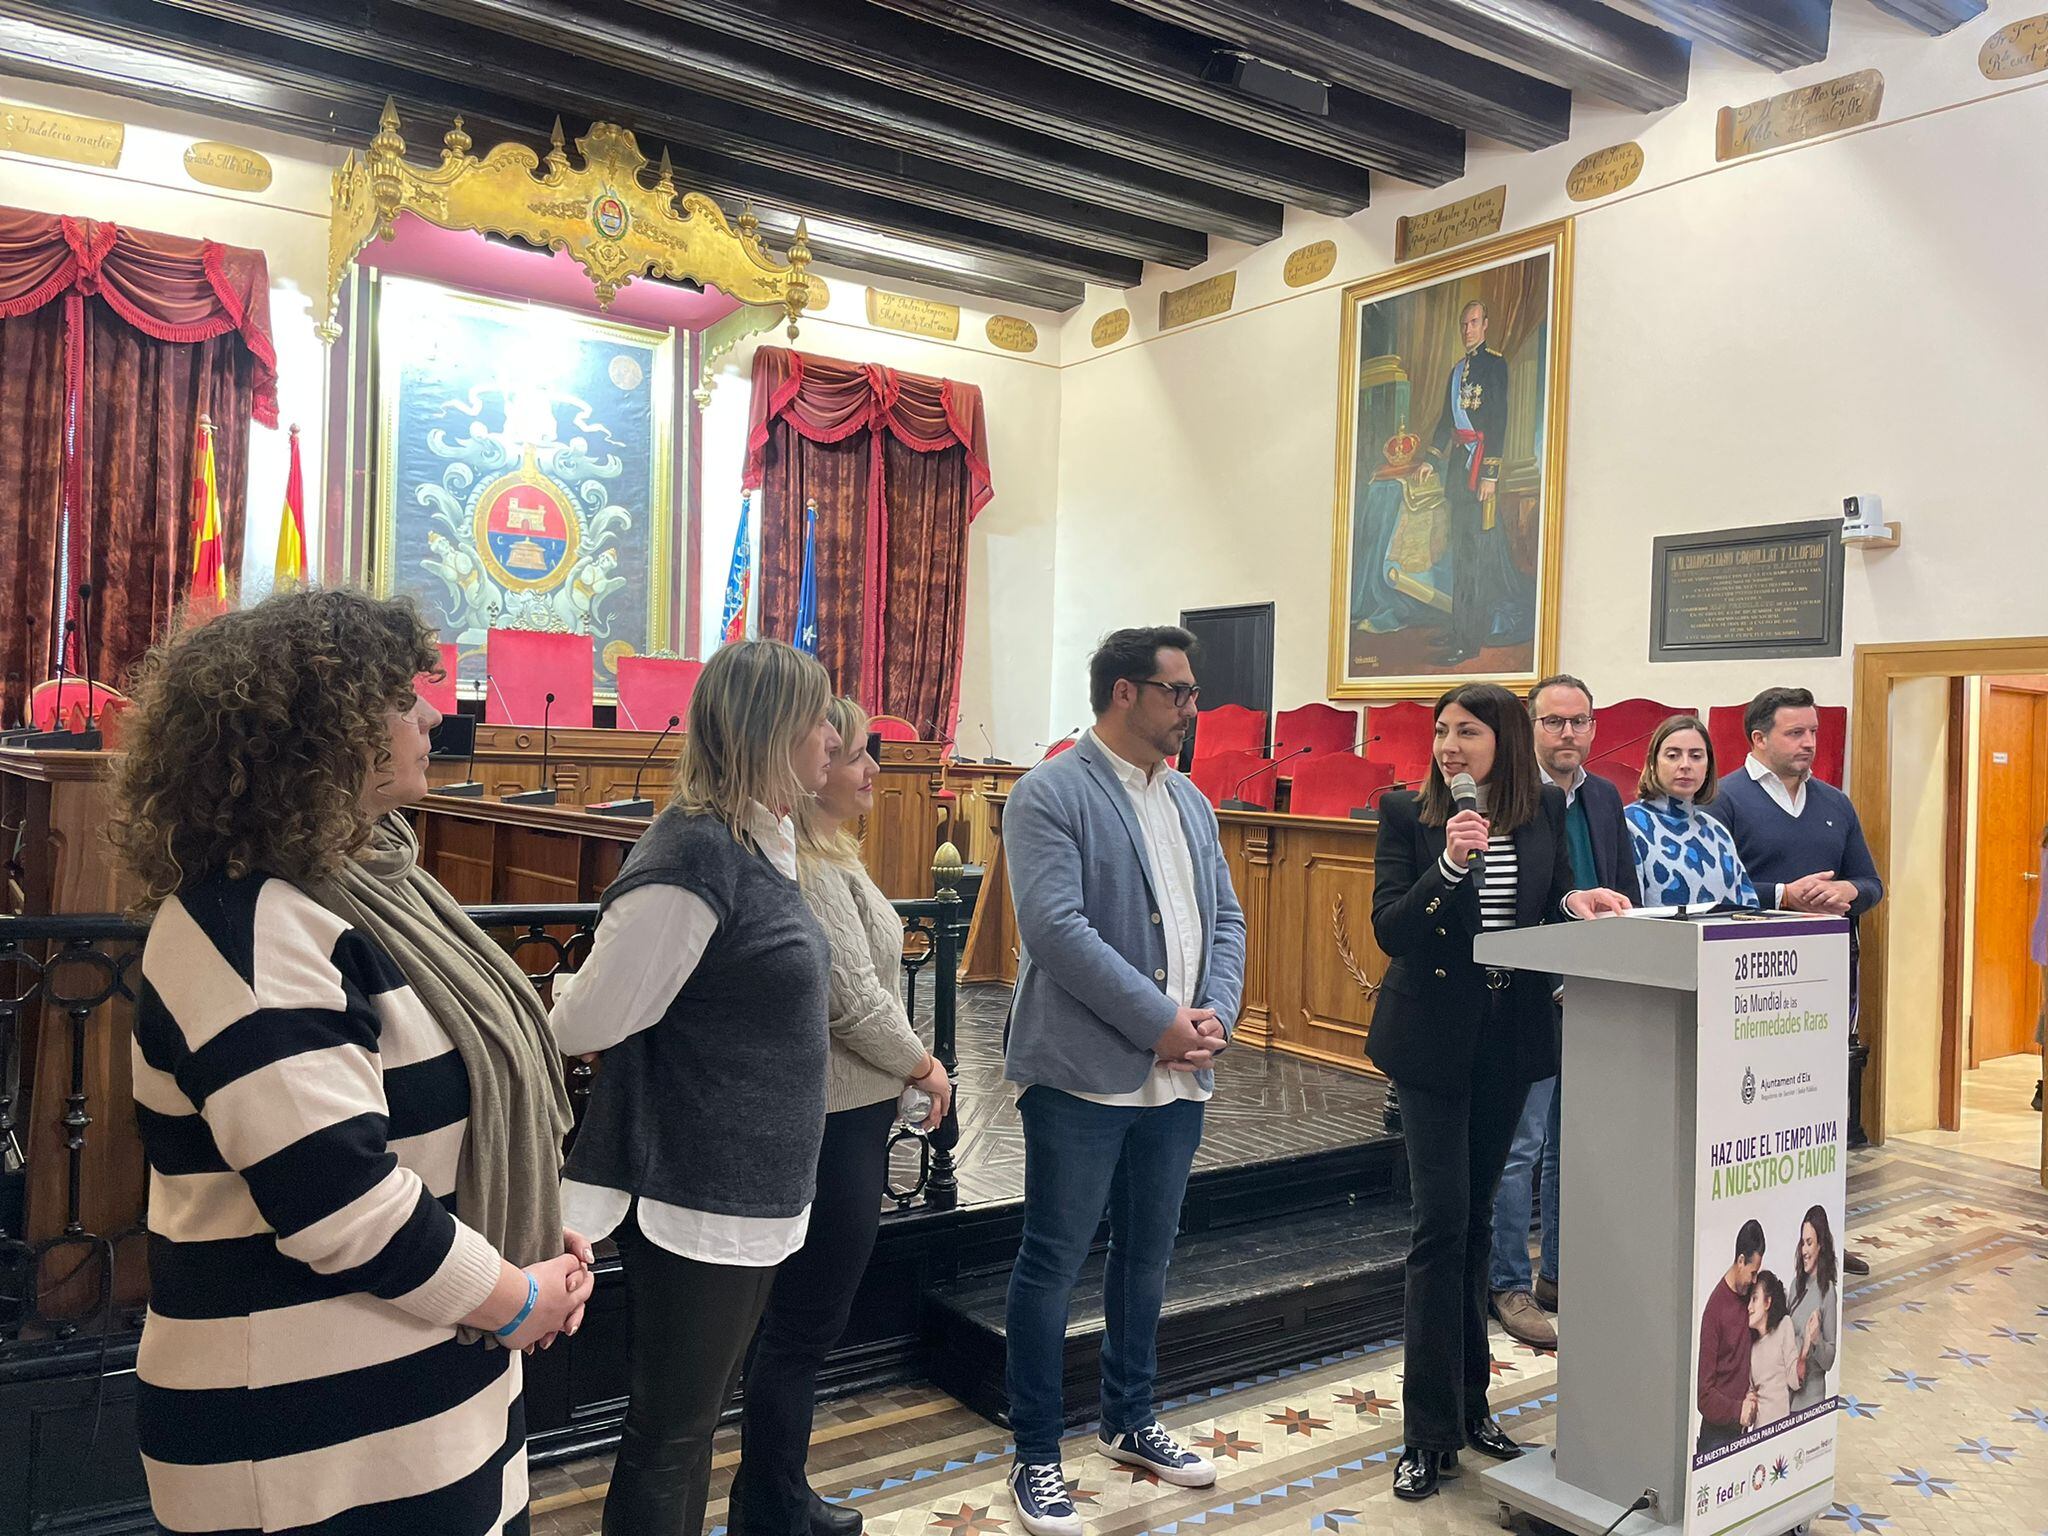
point(303, 1115)
point(1497, 882)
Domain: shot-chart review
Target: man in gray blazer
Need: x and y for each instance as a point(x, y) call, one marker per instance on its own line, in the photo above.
point(1128, 983)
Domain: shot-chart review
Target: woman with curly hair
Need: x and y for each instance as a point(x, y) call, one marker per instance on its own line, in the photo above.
point(707, 992)
point(351, 1112)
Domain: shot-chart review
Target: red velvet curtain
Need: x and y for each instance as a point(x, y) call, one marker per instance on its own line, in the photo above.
point(908, 473)
point(113, 342)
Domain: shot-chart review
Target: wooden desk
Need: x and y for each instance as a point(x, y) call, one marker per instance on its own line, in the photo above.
point(1312, 970)
point(976, 784)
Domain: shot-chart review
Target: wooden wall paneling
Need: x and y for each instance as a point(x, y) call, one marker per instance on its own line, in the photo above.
point(462, 854)
point(539, 866)
point(1249, 849)
point(1331, 968)
point(990, 954)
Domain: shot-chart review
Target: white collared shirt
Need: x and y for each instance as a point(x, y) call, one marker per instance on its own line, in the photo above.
point(649, 942)
point(1792, 802)
point(1180, 914)
point(1571, 790)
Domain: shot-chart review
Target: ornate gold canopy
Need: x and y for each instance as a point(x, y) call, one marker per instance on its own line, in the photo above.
point(602, 214)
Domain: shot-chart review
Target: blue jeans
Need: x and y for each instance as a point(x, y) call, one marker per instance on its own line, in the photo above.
point(1081, 1158)
point(1535, 1143)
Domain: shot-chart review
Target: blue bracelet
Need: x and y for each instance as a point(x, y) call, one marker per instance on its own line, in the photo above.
point(532, 1296)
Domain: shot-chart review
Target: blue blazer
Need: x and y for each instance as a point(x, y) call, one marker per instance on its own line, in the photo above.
point(1091, 975)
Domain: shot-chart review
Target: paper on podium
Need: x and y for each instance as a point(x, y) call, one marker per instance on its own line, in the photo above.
point(651, 688)
point(524, 666)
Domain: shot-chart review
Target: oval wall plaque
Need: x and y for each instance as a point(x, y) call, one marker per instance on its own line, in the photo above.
point(1310, 264)
point(2015, 51)
point(1603, 172)
point(227, 165)
point(1112, 327)
point(1012, 334)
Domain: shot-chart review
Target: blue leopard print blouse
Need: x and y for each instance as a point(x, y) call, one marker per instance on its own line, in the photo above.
point(1684, 857)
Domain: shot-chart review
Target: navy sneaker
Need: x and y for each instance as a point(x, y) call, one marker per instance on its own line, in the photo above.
point(1043, 1507)
point(1151, 1447)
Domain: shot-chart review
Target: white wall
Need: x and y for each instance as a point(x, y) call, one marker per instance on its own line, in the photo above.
point(287, 221)
point(1748, 344)
point(1010, 608)
point(1915, 899)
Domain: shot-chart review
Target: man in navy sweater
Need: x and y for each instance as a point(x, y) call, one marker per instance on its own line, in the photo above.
point(1799, 838)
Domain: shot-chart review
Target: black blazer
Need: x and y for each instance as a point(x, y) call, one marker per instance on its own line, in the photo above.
point(1614, 858)
point(1425, 1028)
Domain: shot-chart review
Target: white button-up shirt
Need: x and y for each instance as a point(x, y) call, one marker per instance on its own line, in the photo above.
point(1180, 914)
point(1791, 802)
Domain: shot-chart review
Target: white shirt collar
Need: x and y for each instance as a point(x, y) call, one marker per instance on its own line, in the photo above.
point(774, 835)
point(1127, 772)
point(1793, 800)
point(1578, 779)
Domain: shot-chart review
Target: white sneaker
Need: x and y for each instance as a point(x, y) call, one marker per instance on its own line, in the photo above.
point(1152, 1447)
point(1043, 1506)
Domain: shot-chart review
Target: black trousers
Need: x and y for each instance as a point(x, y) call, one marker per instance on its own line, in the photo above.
point(807, 1312)
point(1457, 1146)
point(691, 1323)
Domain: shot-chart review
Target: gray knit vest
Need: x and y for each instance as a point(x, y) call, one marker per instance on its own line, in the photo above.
point(720, 1105)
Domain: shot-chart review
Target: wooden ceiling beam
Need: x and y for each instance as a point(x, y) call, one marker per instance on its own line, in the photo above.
point(1580, 44)
point(743, 136)
point(1934, 17)
point(862, 43)
point(732, 71)
point(305, 89)
point(1341, 43)
point(1779, 34)
point(1164, 63)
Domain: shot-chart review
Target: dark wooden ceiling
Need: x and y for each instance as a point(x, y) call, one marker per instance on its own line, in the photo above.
point(1013, 149)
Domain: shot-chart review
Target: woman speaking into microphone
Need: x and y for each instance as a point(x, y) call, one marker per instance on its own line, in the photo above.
point(1482, 846)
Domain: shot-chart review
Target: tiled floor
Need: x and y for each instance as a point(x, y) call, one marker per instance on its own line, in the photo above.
point(1945, 1429)
point(1999, 1119)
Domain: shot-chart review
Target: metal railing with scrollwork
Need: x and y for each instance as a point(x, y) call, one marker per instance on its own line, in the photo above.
point(82, 970)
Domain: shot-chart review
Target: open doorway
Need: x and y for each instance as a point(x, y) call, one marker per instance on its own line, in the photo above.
point(1952, 755)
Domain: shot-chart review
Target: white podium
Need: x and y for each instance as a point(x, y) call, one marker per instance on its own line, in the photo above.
point(1705, 1085)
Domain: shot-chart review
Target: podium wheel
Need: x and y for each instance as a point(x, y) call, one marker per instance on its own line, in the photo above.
point(1505, 1515)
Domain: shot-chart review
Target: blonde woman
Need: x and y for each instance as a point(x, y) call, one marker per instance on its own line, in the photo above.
point(706, 991)
point(351, 1110)
point(875, 1053)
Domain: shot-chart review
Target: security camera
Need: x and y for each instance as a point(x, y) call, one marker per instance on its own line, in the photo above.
point(1862, 517)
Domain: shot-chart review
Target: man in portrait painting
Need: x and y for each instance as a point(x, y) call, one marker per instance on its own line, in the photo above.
point(1467, 444)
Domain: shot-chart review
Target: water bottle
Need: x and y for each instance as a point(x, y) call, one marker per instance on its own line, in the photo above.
point(912, 1105)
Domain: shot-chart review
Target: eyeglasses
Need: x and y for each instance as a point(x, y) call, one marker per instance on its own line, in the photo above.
point(1183, 694)
point(1556, 724)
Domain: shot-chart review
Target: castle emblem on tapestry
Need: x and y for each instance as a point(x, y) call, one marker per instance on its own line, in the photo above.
point(526, 460)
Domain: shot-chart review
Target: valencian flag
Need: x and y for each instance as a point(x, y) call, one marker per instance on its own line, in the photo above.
point(291, 529)
point(209, 590)
point(806, 638)
point(740, 582)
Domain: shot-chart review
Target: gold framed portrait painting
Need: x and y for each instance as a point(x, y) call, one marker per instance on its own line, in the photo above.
point(1450, 470)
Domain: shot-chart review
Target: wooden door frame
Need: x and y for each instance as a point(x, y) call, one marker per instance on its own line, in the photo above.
point(1877, 667)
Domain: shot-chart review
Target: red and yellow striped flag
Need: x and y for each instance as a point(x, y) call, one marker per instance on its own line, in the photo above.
point(291, 530)
point(209, 591)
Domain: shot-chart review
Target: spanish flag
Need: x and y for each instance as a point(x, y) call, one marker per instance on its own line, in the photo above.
point(209, 591)
point(291, 531)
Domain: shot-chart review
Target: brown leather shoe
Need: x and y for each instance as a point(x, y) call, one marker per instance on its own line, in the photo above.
point(1546, 1293)
point(1524, 1320)
point(1854, 1263)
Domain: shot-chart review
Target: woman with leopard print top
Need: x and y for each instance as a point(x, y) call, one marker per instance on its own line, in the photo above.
point(1684, 856)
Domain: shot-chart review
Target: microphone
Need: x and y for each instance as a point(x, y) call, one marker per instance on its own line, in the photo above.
point(471, 787)
point(85, 650)
point(989, 741)
point(1359, 750)
point(545, 795)
point(60, 737)
point(636, 806)
point(1050, 745)
point(1465, 797)
point(1232, 803)
point(1633, 741)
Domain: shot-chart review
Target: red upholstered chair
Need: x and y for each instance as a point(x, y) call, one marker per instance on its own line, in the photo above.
point(1322, 728)
point(1229, 728)
point(44, 698)
point(892, 728)
point(1336, 783)
point(651, 688)
point(1218, 777)
point(1731, 742)
point(1406, 732)
point(442, 694)
point(1834, 744)
point(523, 666)
point(1624, 740)
point(1053, 751)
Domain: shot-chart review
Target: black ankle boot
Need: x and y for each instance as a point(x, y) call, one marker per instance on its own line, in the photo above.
point(832, 1519)
point(1489, 1439)
point(1415, 1475)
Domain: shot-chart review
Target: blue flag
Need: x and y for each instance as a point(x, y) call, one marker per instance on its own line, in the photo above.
point(733, 622)
point(806, 639)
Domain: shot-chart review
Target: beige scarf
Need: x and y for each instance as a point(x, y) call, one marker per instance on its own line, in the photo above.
point(508, 1182)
